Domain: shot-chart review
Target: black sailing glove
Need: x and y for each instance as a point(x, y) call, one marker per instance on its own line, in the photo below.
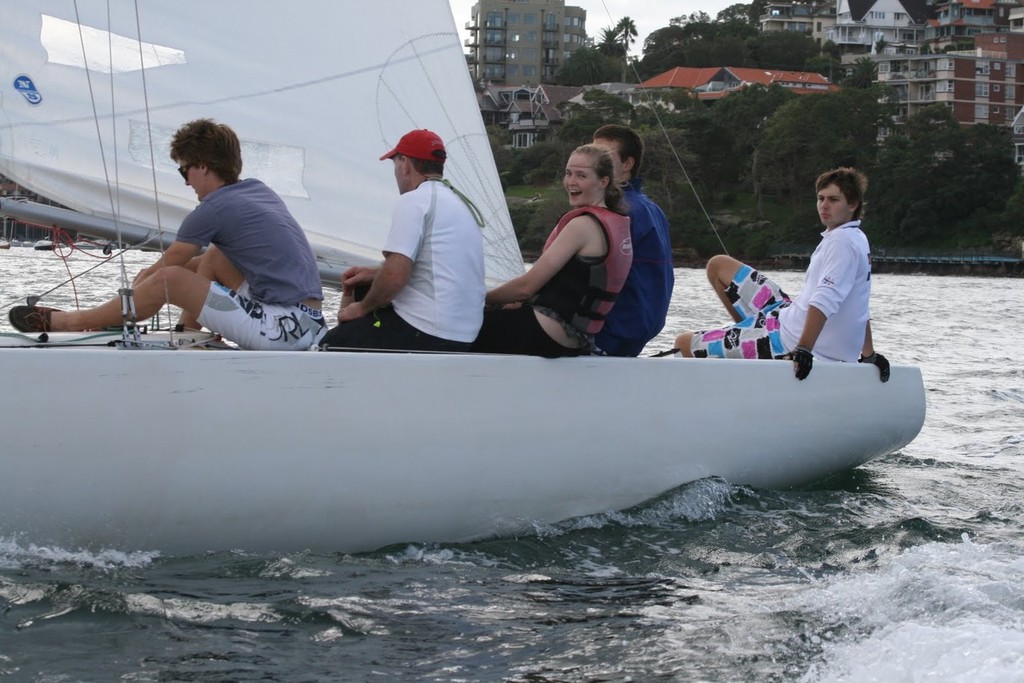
point(802, 359)
point(879, 361)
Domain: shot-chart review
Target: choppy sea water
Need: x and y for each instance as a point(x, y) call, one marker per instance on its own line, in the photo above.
point(910, 568)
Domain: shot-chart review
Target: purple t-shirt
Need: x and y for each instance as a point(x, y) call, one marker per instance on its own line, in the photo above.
point(253, 227)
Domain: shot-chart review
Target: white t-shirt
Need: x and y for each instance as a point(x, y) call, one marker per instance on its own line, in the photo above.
point(838, 283)
point(445, 294)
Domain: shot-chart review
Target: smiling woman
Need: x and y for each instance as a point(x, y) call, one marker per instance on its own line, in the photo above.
point(556, 307)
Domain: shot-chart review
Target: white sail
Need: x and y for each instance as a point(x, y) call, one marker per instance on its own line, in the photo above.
point(92, 92)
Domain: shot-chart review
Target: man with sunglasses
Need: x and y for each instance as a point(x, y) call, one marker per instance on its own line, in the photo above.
point(257, 284)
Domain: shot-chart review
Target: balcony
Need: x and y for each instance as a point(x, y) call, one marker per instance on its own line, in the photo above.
point(529, 124)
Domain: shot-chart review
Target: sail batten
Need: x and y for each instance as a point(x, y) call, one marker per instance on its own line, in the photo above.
point(314, 111)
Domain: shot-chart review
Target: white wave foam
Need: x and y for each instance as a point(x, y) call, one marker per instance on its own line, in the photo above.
point(14, 555)
point(938, 612)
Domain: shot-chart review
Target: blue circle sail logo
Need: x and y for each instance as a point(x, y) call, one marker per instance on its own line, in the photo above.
point(26, 87)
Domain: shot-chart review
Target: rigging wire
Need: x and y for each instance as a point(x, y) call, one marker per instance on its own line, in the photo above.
point(652, 105)
point(113, 194)
point(152, 151)
point(115, 213)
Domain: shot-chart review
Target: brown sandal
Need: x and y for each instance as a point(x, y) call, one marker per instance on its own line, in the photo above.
point(30, 318)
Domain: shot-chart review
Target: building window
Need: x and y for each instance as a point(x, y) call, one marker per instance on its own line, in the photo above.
point(981, 89)
point(1011, 70)
point(522, 140)
point(494, 20)
point(981, 112)
point(529, 19)
point(529, 71)
point(513, 18)
point(996, 87)
point(981, 68)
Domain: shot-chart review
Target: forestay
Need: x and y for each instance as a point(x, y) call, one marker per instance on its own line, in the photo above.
point(92, 92)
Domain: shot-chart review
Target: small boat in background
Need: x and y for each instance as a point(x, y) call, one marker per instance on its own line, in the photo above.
point(43, 245)
point(4, 244)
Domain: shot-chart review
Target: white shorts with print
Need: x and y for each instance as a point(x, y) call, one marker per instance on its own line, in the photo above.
point(255, 325)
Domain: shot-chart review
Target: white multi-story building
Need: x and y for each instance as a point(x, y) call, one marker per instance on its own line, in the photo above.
point(875, 26)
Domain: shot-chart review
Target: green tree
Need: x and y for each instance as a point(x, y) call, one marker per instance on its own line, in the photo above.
point(587, 66)
point(756, 9)
point(786, 50)
point(627, 33)
point(626, 30)
point(610, 44)
point(940, 184)
point(862, 74)
point(745, 114)
point(663, 50)
point(1013, 213)
point(812, 133)
point(597, 109)
point(738, 11)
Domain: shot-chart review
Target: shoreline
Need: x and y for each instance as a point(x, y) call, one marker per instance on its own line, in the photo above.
point(1009, 268)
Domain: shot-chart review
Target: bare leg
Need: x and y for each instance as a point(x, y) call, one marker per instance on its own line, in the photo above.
point(683, 344)
point(721, 270)
point(180, 286)
point(214, 266)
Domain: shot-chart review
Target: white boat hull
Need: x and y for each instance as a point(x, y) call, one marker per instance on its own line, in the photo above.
point(189, 451)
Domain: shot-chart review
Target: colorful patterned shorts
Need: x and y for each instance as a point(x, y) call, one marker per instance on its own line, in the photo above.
point(758, 300)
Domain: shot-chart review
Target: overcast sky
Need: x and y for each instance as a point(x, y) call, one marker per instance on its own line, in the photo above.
point(648, 15)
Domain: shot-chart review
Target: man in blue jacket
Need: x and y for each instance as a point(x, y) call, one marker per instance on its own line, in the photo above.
point(640, 309)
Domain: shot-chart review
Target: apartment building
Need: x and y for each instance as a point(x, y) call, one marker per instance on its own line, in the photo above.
point(811, 18)
point(957, 22)
point(523, 42)
point(982, 85)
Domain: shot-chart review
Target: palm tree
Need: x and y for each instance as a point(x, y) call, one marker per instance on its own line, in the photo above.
point(611, 42)
point(627, 32)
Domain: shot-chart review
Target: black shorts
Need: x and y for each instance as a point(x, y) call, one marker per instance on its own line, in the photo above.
point(517, 330)
point(384, 329)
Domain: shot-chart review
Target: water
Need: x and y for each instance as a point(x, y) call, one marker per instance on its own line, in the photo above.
point(908, 569)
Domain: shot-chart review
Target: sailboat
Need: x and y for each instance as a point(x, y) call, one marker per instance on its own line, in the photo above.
point(162, 447)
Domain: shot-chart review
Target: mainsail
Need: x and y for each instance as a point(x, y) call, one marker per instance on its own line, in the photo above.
point(91, 92)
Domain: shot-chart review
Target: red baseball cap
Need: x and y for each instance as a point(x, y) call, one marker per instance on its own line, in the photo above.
point(419, 144)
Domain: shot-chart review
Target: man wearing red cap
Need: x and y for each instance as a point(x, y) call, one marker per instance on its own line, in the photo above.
point(428, 294)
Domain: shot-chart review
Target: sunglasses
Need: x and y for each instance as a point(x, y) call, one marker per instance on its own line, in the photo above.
point(183, 170)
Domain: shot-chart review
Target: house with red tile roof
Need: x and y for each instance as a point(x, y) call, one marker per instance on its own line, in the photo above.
point(714, 83)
